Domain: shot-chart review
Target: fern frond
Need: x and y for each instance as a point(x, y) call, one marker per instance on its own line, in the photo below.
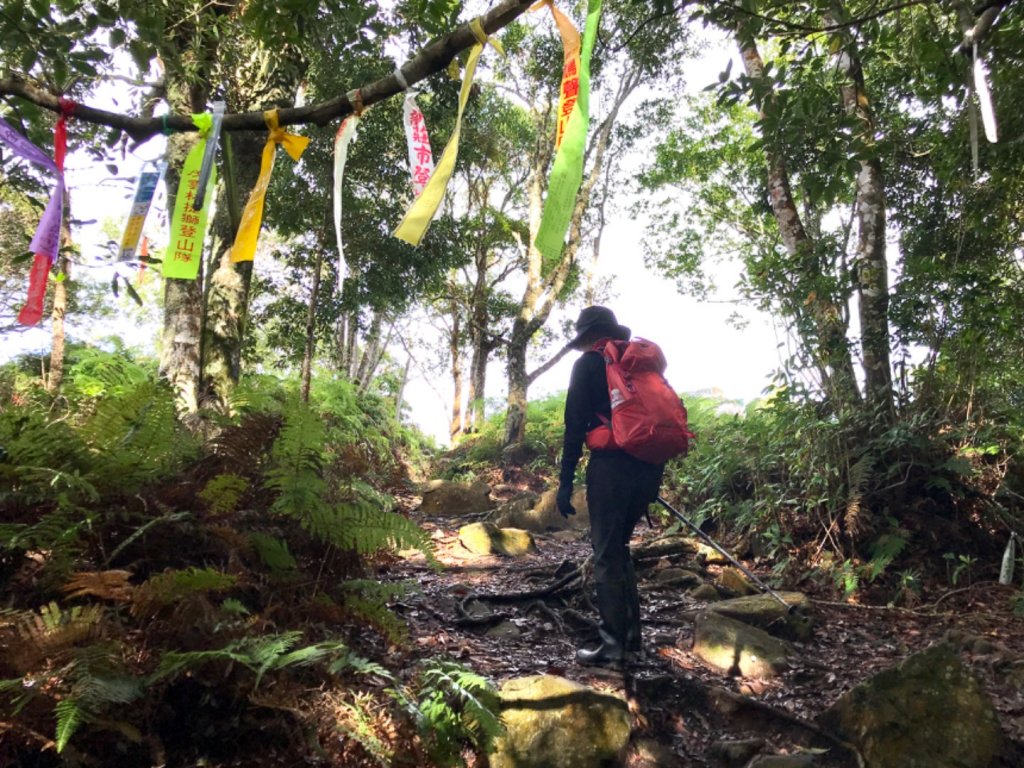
point(368, 599)
point(53, 629)
point(222, 493)
point(70, 716)
point(885, 549)
point(135, 437)
point(239, 448)
point(366, 530)
point(360, 666)
point(354, 721)
point(457, 704)
point(173, 586)
point(857, 483)
point(273, 552)
point(106, 585)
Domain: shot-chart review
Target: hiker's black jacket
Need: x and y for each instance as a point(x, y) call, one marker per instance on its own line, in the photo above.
point(587, 397)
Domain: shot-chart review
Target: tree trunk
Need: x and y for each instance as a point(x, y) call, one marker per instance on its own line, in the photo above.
point(227, 296)
point(308, 352)
point(400, 394)
point(515, 416)
point(60, 304)
point(376, 345)
point(871, 266)
point(825, 333)
point(183, 299)
point(455, 353)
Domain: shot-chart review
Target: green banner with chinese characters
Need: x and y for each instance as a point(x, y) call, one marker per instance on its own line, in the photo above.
point(188, 227)
point(567, 169)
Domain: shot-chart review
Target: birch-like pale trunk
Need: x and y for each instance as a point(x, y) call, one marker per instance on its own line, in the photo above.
point(455, 353)
point(871, 266)
point(310, 348)
point(828, 343)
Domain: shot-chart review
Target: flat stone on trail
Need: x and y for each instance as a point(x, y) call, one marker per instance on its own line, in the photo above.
point(552, 722)
point(767, 613)
point(705, 592)
point(504, 630)
point(489, 539)
point(676, 577)
point(737, 648)
point(443, 498)
point(930, 711)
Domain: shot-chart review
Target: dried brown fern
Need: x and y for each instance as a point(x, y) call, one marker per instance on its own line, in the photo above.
point(857, 517)
point(106, 585)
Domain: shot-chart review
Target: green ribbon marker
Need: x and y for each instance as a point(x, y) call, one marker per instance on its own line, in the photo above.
point(188, 227)
point(567, 169)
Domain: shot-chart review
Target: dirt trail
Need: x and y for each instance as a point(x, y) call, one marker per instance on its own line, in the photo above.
point(678, 700)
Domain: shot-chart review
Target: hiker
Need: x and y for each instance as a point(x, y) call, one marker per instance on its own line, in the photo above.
point(619, 489)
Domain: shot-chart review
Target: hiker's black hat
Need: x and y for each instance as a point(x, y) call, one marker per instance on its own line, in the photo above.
point(601, 318)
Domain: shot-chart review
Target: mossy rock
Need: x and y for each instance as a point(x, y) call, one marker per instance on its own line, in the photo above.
point(928, 712)
point(737, 648)
point(489, 539)
point(767, 613)
point(734, 581)
point(552, 722)
point(443, 498)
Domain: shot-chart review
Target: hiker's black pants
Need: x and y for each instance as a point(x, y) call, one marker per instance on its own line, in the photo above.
point(619, 490)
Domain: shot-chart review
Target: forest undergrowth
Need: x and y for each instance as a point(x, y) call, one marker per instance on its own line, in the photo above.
point(170, 598)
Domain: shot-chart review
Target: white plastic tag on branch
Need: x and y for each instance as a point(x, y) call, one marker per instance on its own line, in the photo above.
point(988, 114)
point(346, 134)
point(1009, 557)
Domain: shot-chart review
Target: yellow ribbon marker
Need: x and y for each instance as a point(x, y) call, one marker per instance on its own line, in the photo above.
point(244, 247)
point(416, 220)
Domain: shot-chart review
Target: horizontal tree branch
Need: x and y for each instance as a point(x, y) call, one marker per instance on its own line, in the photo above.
point(434, 57)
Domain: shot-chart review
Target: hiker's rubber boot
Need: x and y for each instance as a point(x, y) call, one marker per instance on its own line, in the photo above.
point(611, 605)
point(633, 635)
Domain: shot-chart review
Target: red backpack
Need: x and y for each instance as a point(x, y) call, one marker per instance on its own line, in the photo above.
point(648, 417)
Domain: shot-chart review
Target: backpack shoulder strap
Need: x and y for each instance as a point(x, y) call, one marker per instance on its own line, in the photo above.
point(611, 349)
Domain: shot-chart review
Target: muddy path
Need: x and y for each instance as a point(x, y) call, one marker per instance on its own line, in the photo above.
point(511, 617)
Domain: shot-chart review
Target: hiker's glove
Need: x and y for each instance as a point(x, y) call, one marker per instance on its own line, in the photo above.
point(564, 501)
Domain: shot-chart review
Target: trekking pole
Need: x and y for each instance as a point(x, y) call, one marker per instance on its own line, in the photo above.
point(718, 548)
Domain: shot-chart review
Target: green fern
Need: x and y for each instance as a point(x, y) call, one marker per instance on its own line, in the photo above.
point(885, 549)
point(135, 438)
point(223, 492)
point(98, 679)
point(174, 586)
point(360, 524)
point(368, 601)
point(457, 705)
point(273, 552)
point(260, 655)
point(70, 716)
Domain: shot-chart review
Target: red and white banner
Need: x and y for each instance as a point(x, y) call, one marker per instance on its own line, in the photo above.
point(421, 159)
